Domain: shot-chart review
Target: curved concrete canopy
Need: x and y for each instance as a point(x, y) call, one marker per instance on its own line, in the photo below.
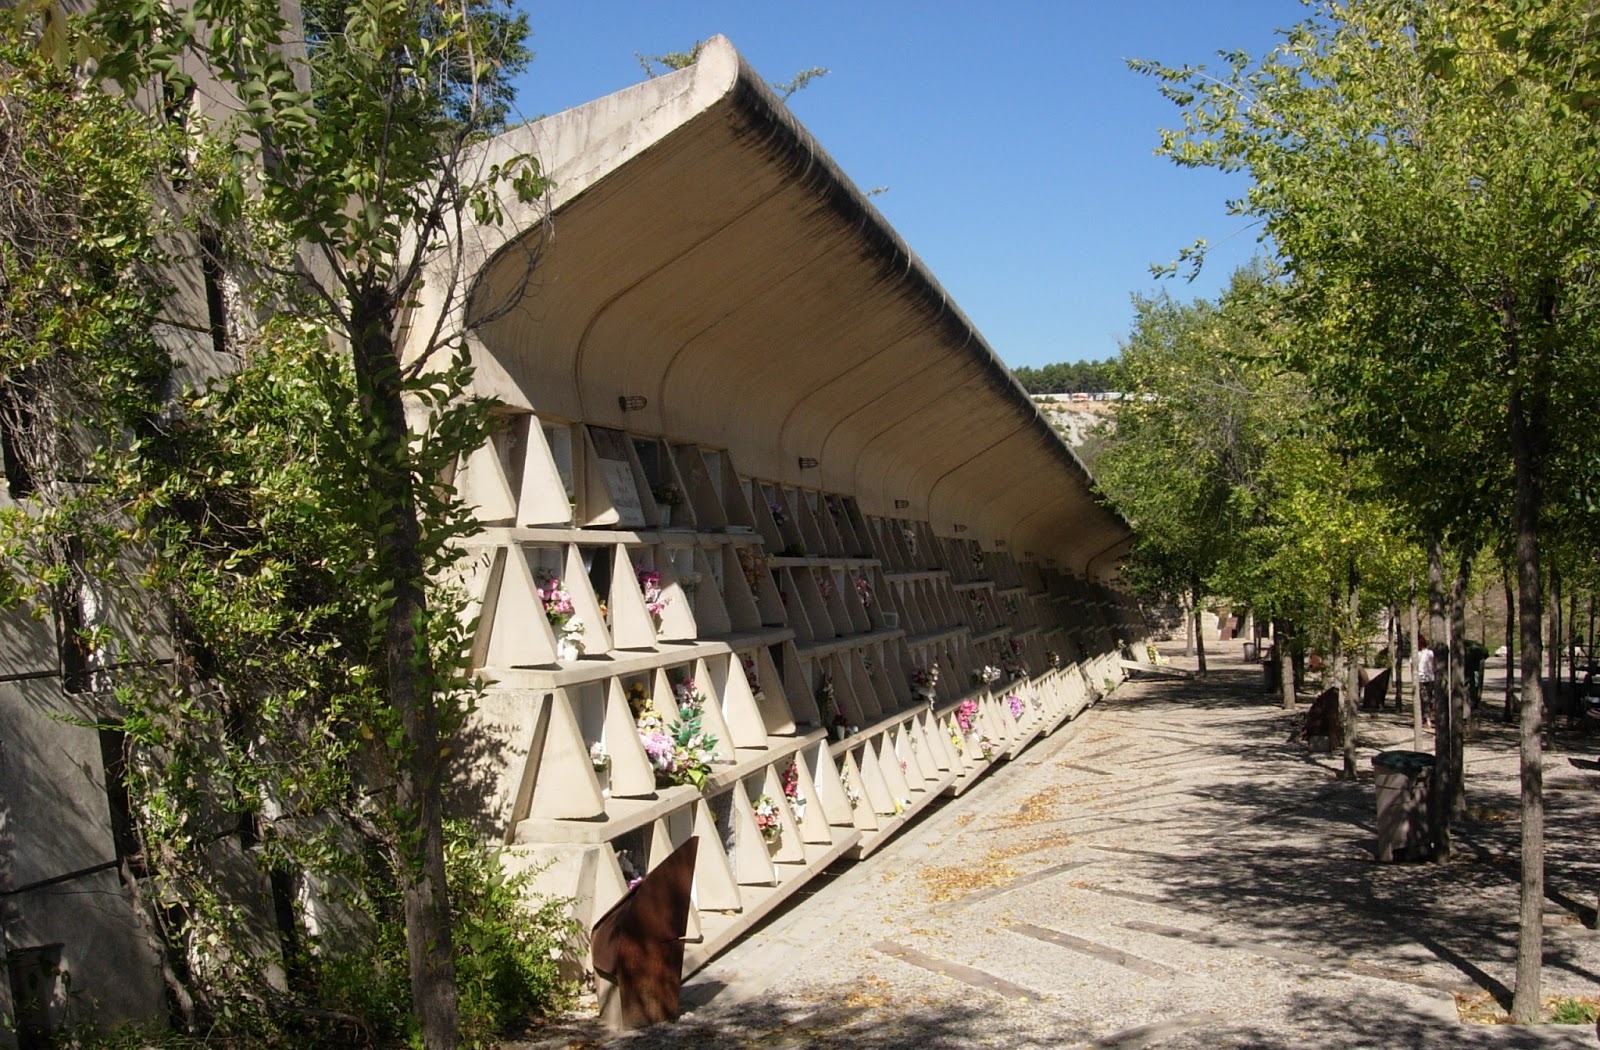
point(708, 255)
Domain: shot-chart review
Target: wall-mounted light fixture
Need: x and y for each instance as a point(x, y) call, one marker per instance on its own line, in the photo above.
point(1028, 555)
point(806, 462)
point(632, 402)
point(959, 528)
point(999, 545)
point(901, 504)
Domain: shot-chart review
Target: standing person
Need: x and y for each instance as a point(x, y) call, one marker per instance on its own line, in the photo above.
point(1422, 670)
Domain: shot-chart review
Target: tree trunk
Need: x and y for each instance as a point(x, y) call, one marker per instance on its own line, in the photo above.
point(1352, 682)
point(1553, 695)
point(1443, 786)
point(1589, 644)
point(419, 853)
point(1527, 445)
point(1571, 625)
point(1199, 637)
point(1458, 685)
point(1511, 642)
point(1416, 687)
point(1191, 624)
point(1281, 651)
point(1436, 618)
point(1397, 666)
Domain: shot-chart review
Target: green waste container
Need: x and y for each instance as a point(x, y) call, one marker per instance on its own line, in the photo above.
point(1403, 780)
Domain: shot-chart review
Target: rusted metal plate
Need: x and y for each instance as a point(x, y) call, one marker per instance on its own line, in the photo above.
point(637, 946)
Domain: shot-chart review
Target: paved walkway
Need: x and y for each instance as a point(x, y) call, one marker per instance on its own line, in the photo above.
point(1164, 872)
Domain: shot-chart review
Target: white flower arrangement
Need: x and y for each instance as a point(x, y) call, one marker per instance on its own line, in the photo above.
point(767, 820)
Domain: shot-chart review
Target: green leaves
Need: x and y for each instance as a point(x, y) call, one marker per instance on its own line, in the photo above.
point(1427, 173)
point(288, 521)
point(1183, 460)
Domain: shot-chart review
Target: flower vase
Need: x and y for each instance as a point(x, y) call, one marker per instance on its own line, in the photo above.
point(926, 692)
point(975, 745)
point(603, 774)
point(566, 649)
point(666, 515)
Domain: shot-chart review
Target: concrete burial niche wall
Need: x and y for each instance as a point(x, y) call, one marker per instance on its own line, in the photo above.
point(726, 271)
point(760, 450)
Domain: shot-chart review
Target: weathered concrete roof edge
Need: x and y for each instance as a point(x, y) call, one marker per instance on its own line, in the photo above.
point(590, 145)
point(753, 94)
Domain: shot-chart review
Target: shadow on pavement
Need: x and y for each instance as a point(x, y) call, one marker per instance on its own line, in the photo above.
point(1382, 1022)
point(1294, 861)
point(860, 1020)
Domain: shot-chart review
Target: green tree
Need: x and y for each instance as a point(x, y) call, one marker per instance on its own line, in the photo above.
point(1326, 551)
point(1071, 376)
point(1183, 459)
point(499, 48)
point(1427, 172)
point(290, 514)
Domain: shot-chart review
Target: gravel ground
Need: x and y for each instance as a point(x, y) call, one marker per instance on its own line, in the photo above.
point(1164, 872)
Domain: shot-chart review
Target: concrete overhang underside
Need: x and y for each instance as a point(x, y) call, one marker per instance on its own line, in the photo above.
point(704, 253)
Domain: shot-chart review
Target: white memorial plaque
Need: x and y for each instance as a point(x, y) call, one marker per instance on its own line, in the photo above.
point(624, 493)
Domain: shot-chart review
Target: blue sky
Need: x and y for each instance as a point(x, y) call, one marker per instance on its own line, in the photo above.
point(1016, 144)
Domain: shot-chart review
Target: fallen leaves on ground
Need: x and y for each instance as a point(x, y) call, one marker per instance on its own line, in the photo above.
point(946, 884)
point(858, 998)
point(1488, 815)
point(1036, 809)
point(1482, 1008)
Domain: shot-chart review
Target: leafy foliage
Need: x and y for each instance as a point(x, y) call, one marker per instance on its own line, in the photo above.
point(508, 947)
point(1184, 460)
point(281, 528)
point(78, 254)
point(476, 97)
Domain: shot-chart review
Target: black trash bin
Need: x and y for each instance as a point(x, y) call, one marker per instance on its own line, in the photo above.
point(1271, 676)
point(1402, 780)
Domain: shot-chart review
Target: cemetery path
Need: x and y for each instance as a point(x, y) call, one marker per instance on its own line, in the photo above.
point(1165, 871)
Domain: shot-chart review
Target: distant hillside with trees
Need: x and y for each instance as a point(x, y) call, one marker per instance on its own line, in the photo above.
point(1069, 377)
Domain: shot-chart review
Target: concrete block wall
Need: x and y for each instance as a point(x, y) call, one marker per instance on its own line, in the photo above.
point(73, 949)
